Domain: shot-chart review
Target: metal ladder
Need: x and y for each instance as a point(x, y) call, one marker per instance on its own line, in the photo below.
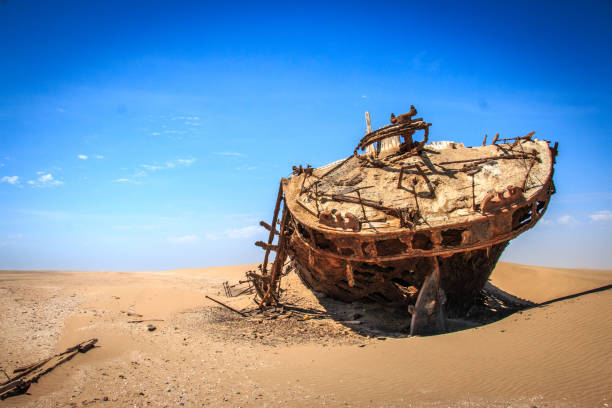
point(267, 284)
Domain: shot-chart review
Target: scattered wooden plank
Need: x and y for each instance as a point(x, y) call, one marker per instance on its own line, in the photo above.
point(145, 320)
point(31, 373)
point(226, 306)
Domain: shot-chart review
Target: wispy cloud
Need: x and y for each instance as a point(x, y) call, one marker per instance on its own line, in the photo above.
point(136, 227)
point(567, 219)
point(236, 233)
point(601, 216)
point(99, 156)
point(232, 154)
point(152, 167)
point(185, 162)
point(126, 180)
point(11, 239)
point(155, 134)
point(53, 215)
point(185, 239)
point(82, 157)
point(45, 180)
point(60, 110)
point(185, 118)
point(169, 164)
point(14, 180)
point(247, 168)
point(244, 232)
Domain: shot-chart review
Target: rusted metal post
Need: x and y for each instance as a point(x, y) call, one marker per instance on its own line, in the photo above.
point(317, 198)
point(419, 171)
point(533, 160)
point(279, 261)
point(302, 187)
point(362, 207)
point(267, 226)
point(306, 208)
point(495, 139)
point(279, 198)
point(226, 306)
point(473, 193)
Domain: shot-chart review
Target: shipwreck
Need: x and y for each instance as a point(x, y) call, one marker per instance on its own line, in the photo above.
point(407, 223)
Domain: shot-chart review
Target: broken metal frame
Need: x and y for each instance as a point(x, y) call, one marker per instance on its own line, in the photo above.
point(31, 373)
point(410, 167)
point(266, 285)
point(400, 129)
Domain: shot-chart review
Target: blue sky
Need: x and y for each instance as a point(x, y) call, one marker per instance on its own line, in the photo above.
point(152, 135)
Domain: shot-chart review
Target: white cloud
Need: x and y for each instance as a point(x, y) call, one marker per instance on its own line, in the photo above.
point(126, 180)
point(169, 164)
point(185, 162)
point(99, 156)
point(11, 239)
point(155, 167)
point(364, 96)
point(601, 216)
point(236, 233)
point(248, 168)
point(233, 154)
point(185, 239)
point(244, 232)
point(568, 220)
point(45, 180)
point(136, 227)
point(14, 180)
point(60, 110)
point(82, 157)
point(185, 118)
point(151, 167)
point(155, 134)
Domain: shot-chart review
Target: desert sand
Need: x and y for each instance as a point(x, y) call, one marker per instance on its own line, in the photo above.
point(200, 354)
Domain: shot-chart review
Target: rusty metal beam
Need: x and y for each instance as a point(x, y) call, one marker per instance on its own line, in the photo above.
point(279, 198)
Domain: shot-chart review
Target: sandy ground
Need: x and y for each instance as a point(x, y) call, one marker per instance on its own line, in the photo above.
point(557, 355)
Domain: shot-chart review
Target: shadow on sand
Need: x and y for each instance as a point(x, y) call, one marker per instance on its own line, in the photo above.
point(375, 320)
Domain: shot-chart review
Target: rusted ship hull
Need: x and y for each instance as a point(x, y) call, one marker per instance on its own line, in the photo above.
point(396, 283)
point(408, 224)
point(391, 268)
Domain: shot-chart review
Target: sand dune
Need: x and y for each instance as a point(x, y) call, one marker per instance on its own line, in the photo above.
point(540, 284)
point(556, 355)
